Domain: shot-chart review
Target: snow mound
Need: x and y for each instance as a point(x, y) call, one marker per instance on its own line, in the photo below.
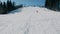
point(31, 20)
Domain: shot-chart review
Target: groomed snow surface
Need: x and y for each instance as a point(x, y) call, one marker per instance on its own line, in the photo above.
point(31, 20)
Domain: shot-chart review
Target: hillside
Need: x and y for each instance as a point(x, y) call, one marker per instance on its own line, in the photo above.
point(31, 20)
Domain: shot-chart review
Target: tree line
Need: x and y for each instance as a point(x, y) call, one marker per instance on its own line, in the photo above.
point(6, 7)
point(53, 4)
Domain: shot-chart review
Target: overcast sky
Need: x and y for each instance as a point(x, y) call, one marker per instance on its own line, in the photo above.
point(29, 2)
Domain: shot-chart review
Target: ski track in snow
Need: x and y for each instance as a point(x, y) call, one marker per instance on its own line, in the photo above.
point(31, 20)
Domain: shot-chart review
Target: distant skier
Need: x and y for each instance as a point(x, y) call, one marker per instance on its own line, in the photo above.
point(37, 11)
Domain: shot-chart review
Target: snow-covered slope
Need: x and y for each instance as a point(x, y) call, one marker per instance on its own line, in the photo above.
point(31, 20)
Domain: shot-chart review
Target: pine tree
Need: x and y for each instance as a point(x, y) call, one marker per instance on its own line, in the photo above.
point(4, 5)
point(0, 3)
point(1, 8)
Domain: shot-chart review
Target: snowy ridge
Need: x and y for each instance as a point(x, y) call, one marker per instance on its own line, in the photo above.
point(31, 20)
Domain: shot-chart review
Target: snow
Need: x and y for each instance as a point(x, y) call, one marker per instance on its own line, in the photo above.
point(31, 20)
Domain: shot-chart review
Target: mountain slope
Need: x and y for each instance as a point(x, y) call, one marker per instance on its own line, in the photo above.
point(31, 20)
